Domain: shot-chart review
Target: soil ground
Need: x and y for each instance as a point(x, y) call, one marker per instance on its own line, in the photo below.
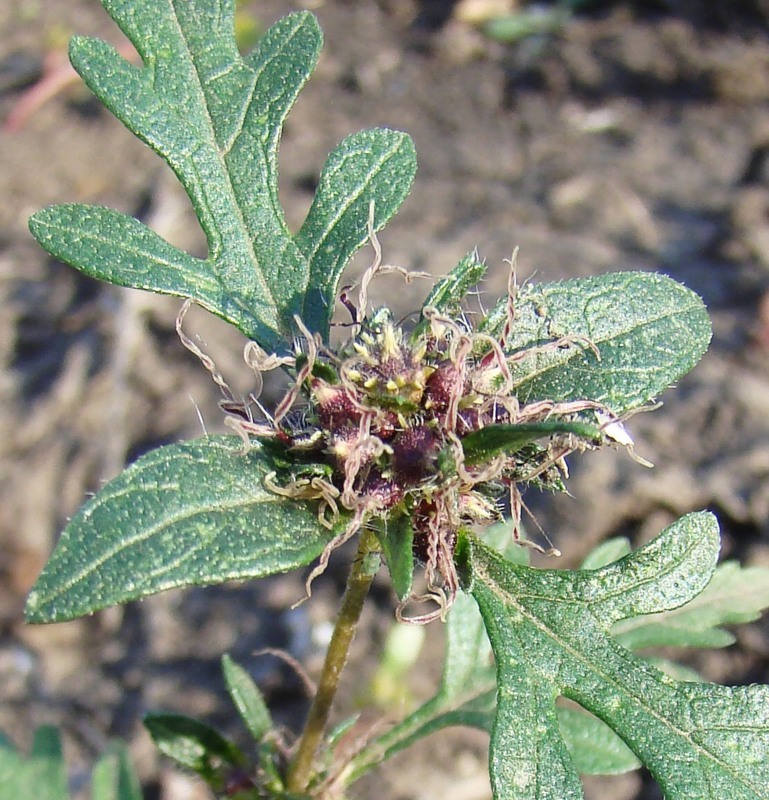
point(637, 137)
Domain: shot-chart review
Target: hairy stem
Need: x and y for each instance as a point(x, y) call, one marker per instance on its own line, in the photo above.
point(364, 568)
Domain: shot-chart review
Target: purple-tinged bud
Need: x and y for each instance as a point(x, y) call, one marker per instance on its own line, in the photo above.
point(341, 443)
point(443, 385)
point(382, 492)
point(333, 405)
point(385, 426)
point(414, 453)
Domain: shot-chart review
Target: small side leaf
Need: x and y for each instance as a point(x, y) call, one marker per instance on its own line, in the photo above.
point(41, 775)
point(450, 292)
point(187, 514)
point(397, 540)
point(735, 595)
point(114, 777)
point(485, 443)
point(648, 331)
point(247, 698)
point(192, 743)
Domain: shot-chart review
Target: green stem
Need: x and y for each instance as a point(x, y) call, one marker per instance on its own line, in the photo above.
point(364, 568)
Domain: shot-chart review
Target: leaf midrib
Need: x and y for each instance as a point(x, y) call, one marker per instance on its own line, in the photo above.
point(182, 515)
point(215, 257)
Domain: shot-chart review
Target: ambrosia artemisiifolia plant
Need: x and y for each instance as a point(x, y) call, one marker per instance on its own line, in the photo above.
point(415, 439)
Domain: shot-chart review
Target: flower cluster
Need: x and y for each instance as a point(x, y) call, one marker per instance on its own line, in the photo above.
point(397, 422)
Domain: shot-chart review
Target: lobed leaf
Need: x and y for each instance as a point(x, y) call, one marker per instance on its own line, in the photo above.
point(734, 595)
point(191, 513)
point(618, 339)
point(216, 118)
point(550, 634)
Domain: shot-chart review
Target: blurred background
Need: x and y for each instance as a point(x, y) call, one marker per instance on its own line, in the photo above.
point(595, 136)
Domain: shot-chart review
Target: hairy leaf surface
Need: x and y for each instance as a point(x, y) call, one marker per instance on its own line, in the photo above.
point(216, 118)
point(735, 595)
point(619, 339)
point(550, 634)
point(191, 513)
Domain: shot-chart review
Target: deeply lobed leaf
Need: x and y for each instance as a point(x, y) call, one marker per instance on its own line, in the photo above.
point(550, 634)
point(217, 118)
point(735, 595)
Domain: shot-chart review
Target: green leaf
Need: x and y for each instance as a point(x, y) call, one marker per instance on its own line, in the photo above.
point(648, 329)
point(607, 552)
point(114, 777)
point(192, 743)
point(192, 513)
point(216, 118)
point(397, 539)
point(485, 443)
point(42, 775)
point(370, 168)
point(735, 594)
point(550, 634)
point(247, 698)
point(594, 747)
point(450, 292)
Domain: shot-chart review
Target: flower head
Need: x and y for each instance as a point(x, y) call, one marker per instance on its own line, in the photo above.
point(422, 424)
